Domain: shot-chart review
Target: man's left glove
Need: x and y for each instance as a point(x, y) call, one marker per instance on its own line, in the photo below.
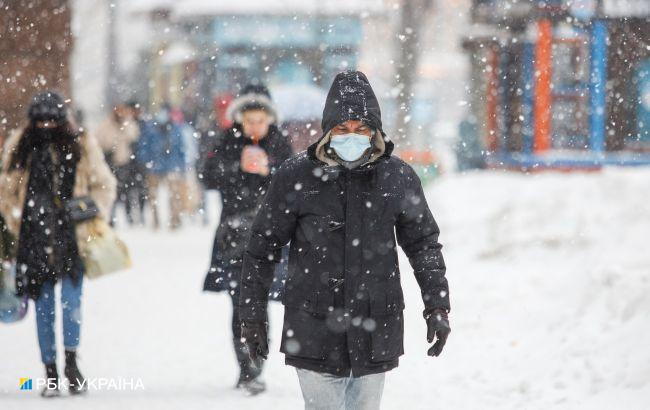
point(437, 326)
point(255, 337)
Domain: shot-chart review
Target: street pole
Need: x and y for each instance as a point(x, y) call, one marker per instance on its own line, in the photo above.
point(408, 47)
point(111, 56)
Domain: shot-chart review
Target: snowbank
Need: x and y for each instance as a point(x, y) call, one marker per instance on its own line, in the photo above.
point(550, 288)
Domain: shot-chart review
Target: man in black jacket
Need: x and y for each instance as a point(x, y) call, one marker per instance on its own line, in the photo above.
point(240, 166)
point(340, 204)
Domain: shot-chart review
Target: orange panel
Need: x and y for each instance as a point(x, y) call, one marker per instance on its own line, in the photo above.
point(543, 96)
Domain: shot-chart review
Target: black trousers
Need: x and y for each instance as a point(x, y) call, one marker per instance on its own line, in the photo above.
point(246, 368)
point(130, 188)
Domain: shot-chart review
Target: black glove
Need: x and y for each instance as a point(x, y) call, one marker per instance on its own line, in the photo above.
point(255, 337)
point(437, 326)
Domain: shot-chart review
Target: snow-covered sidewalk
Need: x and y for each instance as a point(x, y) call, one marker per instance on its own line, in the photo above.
point(550, 289)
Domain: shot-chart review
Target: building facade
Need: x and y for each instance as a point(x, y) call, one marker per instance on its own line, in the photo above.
point(560, 84)
point(35, 45)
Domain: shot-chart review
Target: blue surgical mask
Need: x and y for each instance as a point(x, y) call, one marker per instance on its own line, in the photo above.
point(350, 147)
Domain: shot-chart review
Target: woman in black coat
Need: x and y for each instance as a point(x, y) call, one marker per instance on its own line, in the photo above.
point(50, 163)
point(240, 166)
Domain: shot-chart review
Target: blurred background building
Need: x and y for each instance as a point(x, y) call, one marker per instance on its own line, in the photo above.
point(296, 51)
point(507, 83)
point(197, 55)
point(35, 45)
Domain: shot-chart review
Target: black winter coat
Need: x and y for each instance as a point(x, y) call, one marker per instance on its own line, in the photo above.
point(47, 244)
point(241, 193)
point(343, 299)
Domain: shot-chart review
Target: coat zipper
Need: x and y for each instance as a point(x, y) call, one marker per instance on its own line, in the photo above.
point(346, 226)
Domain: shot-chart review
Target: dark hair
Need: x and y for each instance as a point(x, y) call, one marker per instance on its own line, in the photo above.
point(47, 106)
point(64, 138)
point(256, 89)
point(254, 106)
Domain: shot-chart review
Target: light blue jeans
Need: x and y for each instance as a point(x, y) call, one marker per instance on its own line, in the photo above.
point(71, 307)
point(323, 391)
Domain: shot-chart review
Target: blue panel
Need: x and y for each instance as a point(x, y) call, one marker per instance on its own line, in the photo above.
point(528, 73)
point(286, 31)
point(289, 71)
point(569, 161)
point(264, 31)
point(643, 101)
point(598, 80)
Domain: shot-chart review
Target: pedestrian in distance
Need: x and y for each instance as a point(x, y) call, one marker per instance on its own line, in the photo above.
point(162, 151)
point(45, 167)
point(240, 166)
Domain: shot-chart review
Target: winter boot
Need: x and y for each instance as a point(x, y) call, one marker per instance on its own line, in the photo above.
point(51, 389)
point(249, 374)
point(72, 373)
point(253, 387)
point(246, 376)
point(246, 372)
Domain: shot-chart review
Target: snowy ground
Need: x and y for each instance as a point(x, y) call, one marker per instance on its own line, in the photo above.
point(550, 285)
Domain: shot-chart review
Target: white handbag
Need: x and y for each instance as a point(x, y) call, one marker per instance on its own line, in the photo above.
point(101, 251)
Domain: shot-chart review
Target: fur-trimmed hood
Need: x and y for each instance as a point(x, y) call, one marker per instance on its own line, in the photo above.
point(252, 96)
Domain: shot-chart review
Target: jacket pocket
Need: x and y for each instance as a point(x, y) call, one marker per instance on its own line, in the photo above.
point(387, 337)
point(306, 335)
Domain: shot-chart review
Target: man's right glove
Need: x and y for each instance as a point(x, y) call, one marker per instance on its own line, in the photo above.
point(437, 326)
point(255, 337)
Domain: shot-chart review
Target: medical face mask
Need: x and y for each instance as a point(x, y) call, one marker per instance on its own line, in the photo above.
point(350, 147)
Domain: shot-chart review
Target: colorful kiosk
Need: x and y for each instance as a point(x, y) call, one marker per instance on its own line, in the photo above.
point(560, 84)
